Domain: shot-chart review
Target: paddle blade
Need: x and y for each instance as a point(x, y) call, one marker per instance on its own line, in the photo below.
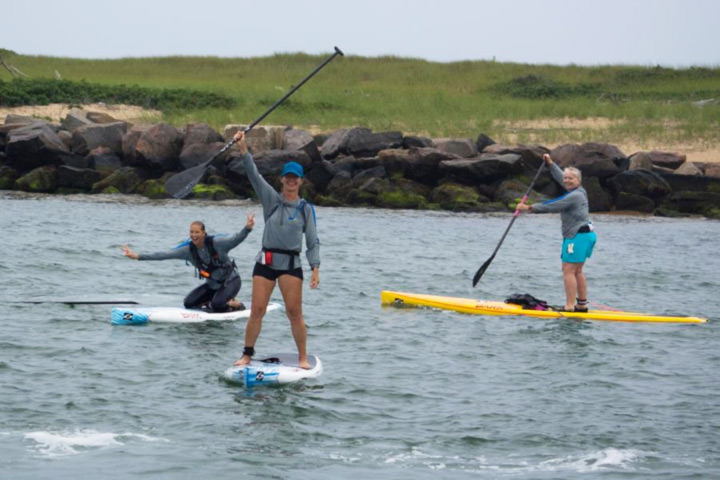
point(181, 184)
point(481, 270)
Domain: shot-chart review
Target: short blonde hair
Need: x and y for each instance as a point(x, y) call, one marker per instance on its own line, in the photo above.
point(575, 172)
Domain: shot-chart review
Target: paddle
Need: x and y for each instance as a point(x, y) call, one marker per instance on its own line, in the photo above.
point(181, 184)
point(82, 302)
point(485, 265)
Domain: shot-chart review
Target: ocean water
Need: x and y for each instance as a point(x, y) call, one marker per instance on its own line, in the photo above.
point(406, 393)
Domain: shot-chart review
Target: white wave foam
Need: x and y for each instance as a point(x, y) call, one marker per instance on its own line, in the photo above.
point(609, 458)
point(53, 444)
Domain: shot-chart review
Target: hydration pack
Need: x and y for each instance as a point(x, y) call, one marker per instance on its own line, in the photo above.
point(528, 302)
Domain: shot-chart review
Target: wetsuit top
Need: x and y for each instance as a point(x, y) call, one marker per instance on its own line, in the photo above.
point(573, 206)
point(221, 244)
point(285, 223)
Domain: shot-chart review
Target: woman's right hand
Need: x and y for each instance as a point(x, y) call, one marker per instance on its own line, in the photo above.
point(129, 253)
point(239, 138)
point(548, 159)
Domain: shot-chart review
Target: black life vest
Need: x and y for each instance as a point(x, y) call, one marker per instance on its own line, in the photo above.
point(205, 270)
point(528, 302)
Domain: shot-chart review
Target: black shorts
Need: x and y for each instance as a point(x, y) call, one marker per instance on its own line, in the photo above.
point(267, 272)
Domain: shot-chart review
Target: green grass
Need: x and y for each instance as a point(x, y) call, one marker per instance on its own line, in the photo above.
point(461, 99)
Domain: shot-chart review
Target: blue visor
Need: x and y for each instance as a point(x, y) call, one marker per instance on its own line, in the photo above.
point(293, 168)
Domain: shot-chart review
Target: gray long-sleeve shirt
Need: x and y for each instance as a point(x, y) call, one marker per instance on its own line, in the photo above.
point(573, 206)
point(285, 222)
point(221, 244)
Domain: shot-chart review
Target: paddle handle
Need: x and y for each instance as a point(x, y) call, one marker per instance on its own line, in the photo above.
point(294, 89)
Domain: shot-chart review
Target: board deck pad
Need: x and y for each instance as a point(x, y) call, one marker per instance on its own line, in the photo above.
point(274, 369)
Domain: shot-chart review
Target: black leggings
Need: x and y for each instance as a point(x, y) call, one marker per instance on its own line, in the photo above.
point(218, 298)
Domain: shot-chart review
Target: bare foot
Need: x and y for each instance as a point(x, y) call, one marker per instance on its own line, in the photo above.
point(245, 360)
point(304, 364)
point(234, 304)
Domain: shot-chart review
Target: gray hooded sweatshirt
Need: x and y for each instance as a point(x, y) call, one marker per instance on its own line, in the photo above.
point(573, 206)
point(285, 223)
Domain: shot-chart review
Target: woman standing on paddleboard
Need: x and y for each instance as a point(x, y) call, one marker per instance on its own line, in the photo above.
point(577, 230)
point(287, 218)
point(209, 255)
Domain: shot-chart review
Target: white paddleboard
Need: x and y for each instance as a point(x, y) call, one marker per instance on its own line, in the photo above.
point(143, 315)
point(278, 368)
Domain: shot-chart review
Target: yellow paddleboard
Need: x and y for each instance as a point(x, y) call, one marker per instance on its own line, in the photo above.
point(480, 307)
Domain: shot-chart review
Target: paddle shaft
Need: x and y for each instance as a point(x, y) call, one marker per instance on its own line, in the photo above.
point(485, 265)
point(184, 182)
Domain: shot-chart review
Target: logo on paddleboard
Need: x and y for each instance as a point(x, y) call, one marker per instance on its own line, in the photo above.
point(260, 376)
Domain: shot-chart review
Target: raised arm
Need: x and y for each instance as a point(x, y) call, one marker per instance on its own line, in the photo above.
point(265, 192)
point(232, 241)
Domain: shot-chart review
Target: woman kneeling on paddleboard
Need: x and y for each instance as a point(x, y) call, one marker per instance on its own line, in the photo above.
point(287, 218)
point(577, 230)
point(209, 255)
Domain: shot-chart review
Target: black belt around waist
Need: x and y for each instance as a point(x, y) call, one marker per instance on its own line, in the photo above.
point(584, 229)
point(292, 254)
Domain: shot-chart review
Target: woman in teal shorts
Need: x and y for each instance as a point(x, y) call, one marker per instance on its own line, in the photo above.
point(577, 229)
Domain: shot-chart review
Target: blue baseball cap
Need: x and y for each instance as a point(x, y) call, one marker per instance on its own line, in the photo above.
point(293, 168)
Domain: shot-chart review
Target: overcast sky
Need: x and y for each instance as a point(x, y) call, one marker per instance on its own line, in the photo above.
point(676, 33)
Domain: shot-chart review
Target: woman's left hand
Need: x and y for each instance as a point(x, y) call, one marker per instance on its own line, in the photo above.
point(524, 207)
point(250, 221)
point(315, 278)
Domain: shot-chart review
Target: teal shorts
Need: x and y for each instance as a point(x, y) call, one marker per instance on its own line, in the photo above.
point(579, 248)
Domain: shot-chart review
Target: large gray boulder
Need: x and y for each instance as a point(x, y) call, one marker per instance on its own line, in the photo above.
point(34, 145)
point(692, 183)
point(157, 148)
point(369, 144)
point(123, 180)
point(531, 154)
point(712, 170)
point(482, 142)
point(640, 182)
point(103, 160)
point(196, 153)
point(77, 178)
point(661, 159)
point(336, 144)
point(418, 164)
point(42, 180)
point(599, 200)
point(457, 198)
point(690, 168)
point(90, 137)
point(321, 173)
point(462, 147)
point(353, 165)
point(486, 168)
point(592, 159)
point(634, 203)
point(8, 176)
point(301, 140)
point(412, 141)
point(260, 139)
point(200, 133)
point(700, 203)
point(75, 119)
point(296, 139)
